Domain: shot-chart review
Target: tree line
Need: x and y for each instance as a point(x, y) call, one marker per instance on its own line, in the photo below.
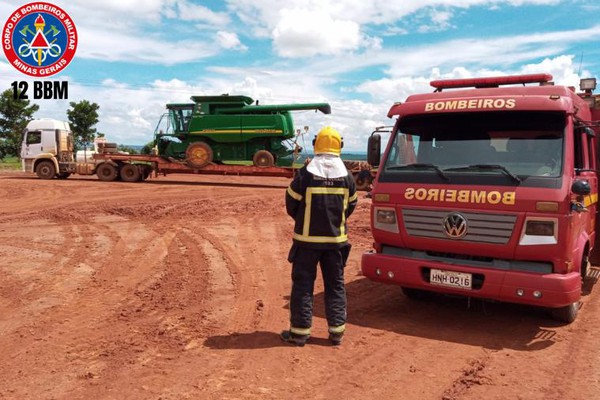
point(16, 113)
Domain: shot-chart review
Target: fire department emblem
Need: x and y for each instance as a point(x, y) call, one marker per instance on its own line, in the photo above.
point(39, 39)
point(455, 225)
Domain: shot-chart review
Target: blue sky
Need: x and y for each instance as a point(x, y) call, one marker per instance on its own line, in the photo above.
point(135, 56)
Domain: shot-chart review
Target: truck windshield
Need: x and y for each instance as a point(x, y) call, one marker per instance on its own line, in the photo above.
point(506, 148)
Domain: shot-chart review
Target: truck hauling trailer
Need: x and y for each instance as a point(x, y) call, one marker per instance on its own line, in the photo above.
point(489, 190)
point(215, 139)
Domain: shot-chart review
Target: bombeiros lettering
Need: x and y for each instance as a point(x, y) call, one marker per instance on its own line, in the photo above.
point(470, 104)
point(460, 196)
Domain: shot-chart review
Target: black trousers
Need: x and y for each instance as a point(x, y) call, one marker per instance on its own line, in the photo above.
point(304, 272)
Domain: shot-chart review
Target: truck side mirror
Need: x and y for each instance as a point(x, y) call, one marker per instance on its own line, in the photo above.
point(581, 188)
point(374, 149)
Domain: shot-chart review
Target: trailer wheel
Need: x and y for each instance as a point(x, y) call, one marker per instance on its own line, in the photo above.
point(362, 179)
point(567, 313)
point(198, 154)
point(45, 170)
point(263, 158)
point(146, 171)
point(63, 175)
point(131, 173)
point(107, 172)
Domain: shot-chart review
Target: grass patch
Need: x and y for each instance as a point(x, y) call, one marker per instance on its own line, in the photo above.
point(10, 163)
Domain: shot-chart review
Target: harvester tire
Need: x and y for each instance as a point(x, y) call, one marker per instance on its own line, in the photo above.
point(131, 173)
point(198, 154)
point(45, 170)
point(263, 158)
point(107, 172)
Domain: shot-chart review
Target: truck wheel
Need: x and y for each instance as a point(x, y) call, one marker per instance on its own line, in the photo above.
point(198, 154)
point(63, 175)
point(585, 266)
point(131, 173)
point(45, 170)
point(263, 158)
point(107, 172)
point(567, 313)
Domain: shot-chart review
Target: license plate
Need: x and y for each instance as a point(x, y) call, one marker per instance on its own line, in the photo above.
point(460, 280)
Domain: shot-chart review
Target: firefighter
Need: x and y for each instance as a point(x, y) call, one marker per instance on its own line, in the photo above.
point(320, 199)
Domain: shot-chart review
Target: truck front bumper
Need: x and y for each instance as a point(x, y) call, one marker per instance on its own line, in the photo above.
point(552, 290)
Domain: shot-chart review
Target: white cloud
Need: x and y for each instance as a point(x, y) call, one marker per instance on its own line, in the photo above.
point(196, 12)
point(229, 40)
point(113, 46)
point(304, 33)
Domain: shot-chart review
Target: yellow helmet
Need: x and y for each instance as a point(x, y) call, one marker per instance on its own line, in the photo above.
point(328, 141)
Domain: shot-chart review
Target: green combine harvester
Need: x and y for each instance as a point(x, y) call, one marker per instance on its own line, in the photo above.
point(217, 129)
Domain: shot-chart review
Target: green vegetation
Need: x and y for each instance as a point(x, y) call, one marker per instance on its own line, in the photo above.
point(10, 163)
point(82, 117)
point(14, 116)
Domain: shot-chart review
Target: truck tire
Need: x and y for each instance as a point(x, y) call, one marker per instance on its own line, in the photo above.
point(263, 158)
point(567, 313)
point(131, 173)
point(198, 154)
point(45, 170)
point(146, 172)
point(107, 172)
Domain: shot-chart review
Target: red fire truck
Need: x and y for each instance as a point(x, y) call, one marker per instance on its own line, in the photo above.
point(488, 188)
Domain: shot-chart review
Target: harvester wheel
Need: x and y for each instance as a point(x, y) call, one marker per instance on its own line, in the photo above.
point(131, 173)
point(45, 170)
point(198, 154)
point(107, 172)
point(263, 158)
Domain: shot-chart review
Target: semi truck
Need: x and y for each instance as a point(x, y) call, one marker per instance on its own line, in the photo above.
point(488, 188)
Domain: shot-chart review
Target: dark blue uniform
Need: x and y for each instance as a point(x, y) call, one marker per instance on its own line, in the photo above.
point(320, 207)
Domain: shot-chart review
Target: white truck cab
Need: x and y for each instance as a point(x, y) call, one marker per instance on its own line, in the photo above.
point(47, 148)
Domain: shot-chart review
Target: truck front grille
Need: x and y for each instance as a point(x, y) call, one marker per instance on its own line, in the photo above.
point(481, 227)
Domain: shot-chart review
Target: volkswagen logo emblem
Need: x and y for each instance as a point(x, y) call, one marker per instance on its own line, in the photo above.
point(455, 225)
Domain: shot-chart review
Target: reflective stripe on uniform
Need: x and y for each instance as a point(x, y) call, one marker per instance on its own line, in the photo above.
point(305, 237)
point(300, 331)
point(321, 239)
point(353, 198)
point(294, 195)
point(337, 329)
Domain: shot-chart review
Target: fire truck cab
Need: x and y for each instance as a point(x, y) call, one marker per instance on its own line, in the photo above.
point(488, 188)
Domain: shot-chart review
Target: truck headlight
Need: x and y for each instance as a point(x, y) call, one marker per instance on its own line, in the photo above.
point(385, 219)
point(539, 231)
point(539, 228)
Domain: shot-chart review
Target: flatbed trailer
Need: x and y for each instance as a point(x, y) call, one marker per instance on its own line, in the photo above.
point(138, 167)
point(163, 166)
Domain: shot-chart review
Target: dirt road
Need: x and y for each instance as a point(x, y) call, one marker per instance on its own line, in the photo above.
point(177, 288)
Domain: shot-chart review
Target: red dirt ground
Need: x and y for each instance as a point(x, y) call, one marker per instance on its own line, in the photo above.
point(177, 288)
